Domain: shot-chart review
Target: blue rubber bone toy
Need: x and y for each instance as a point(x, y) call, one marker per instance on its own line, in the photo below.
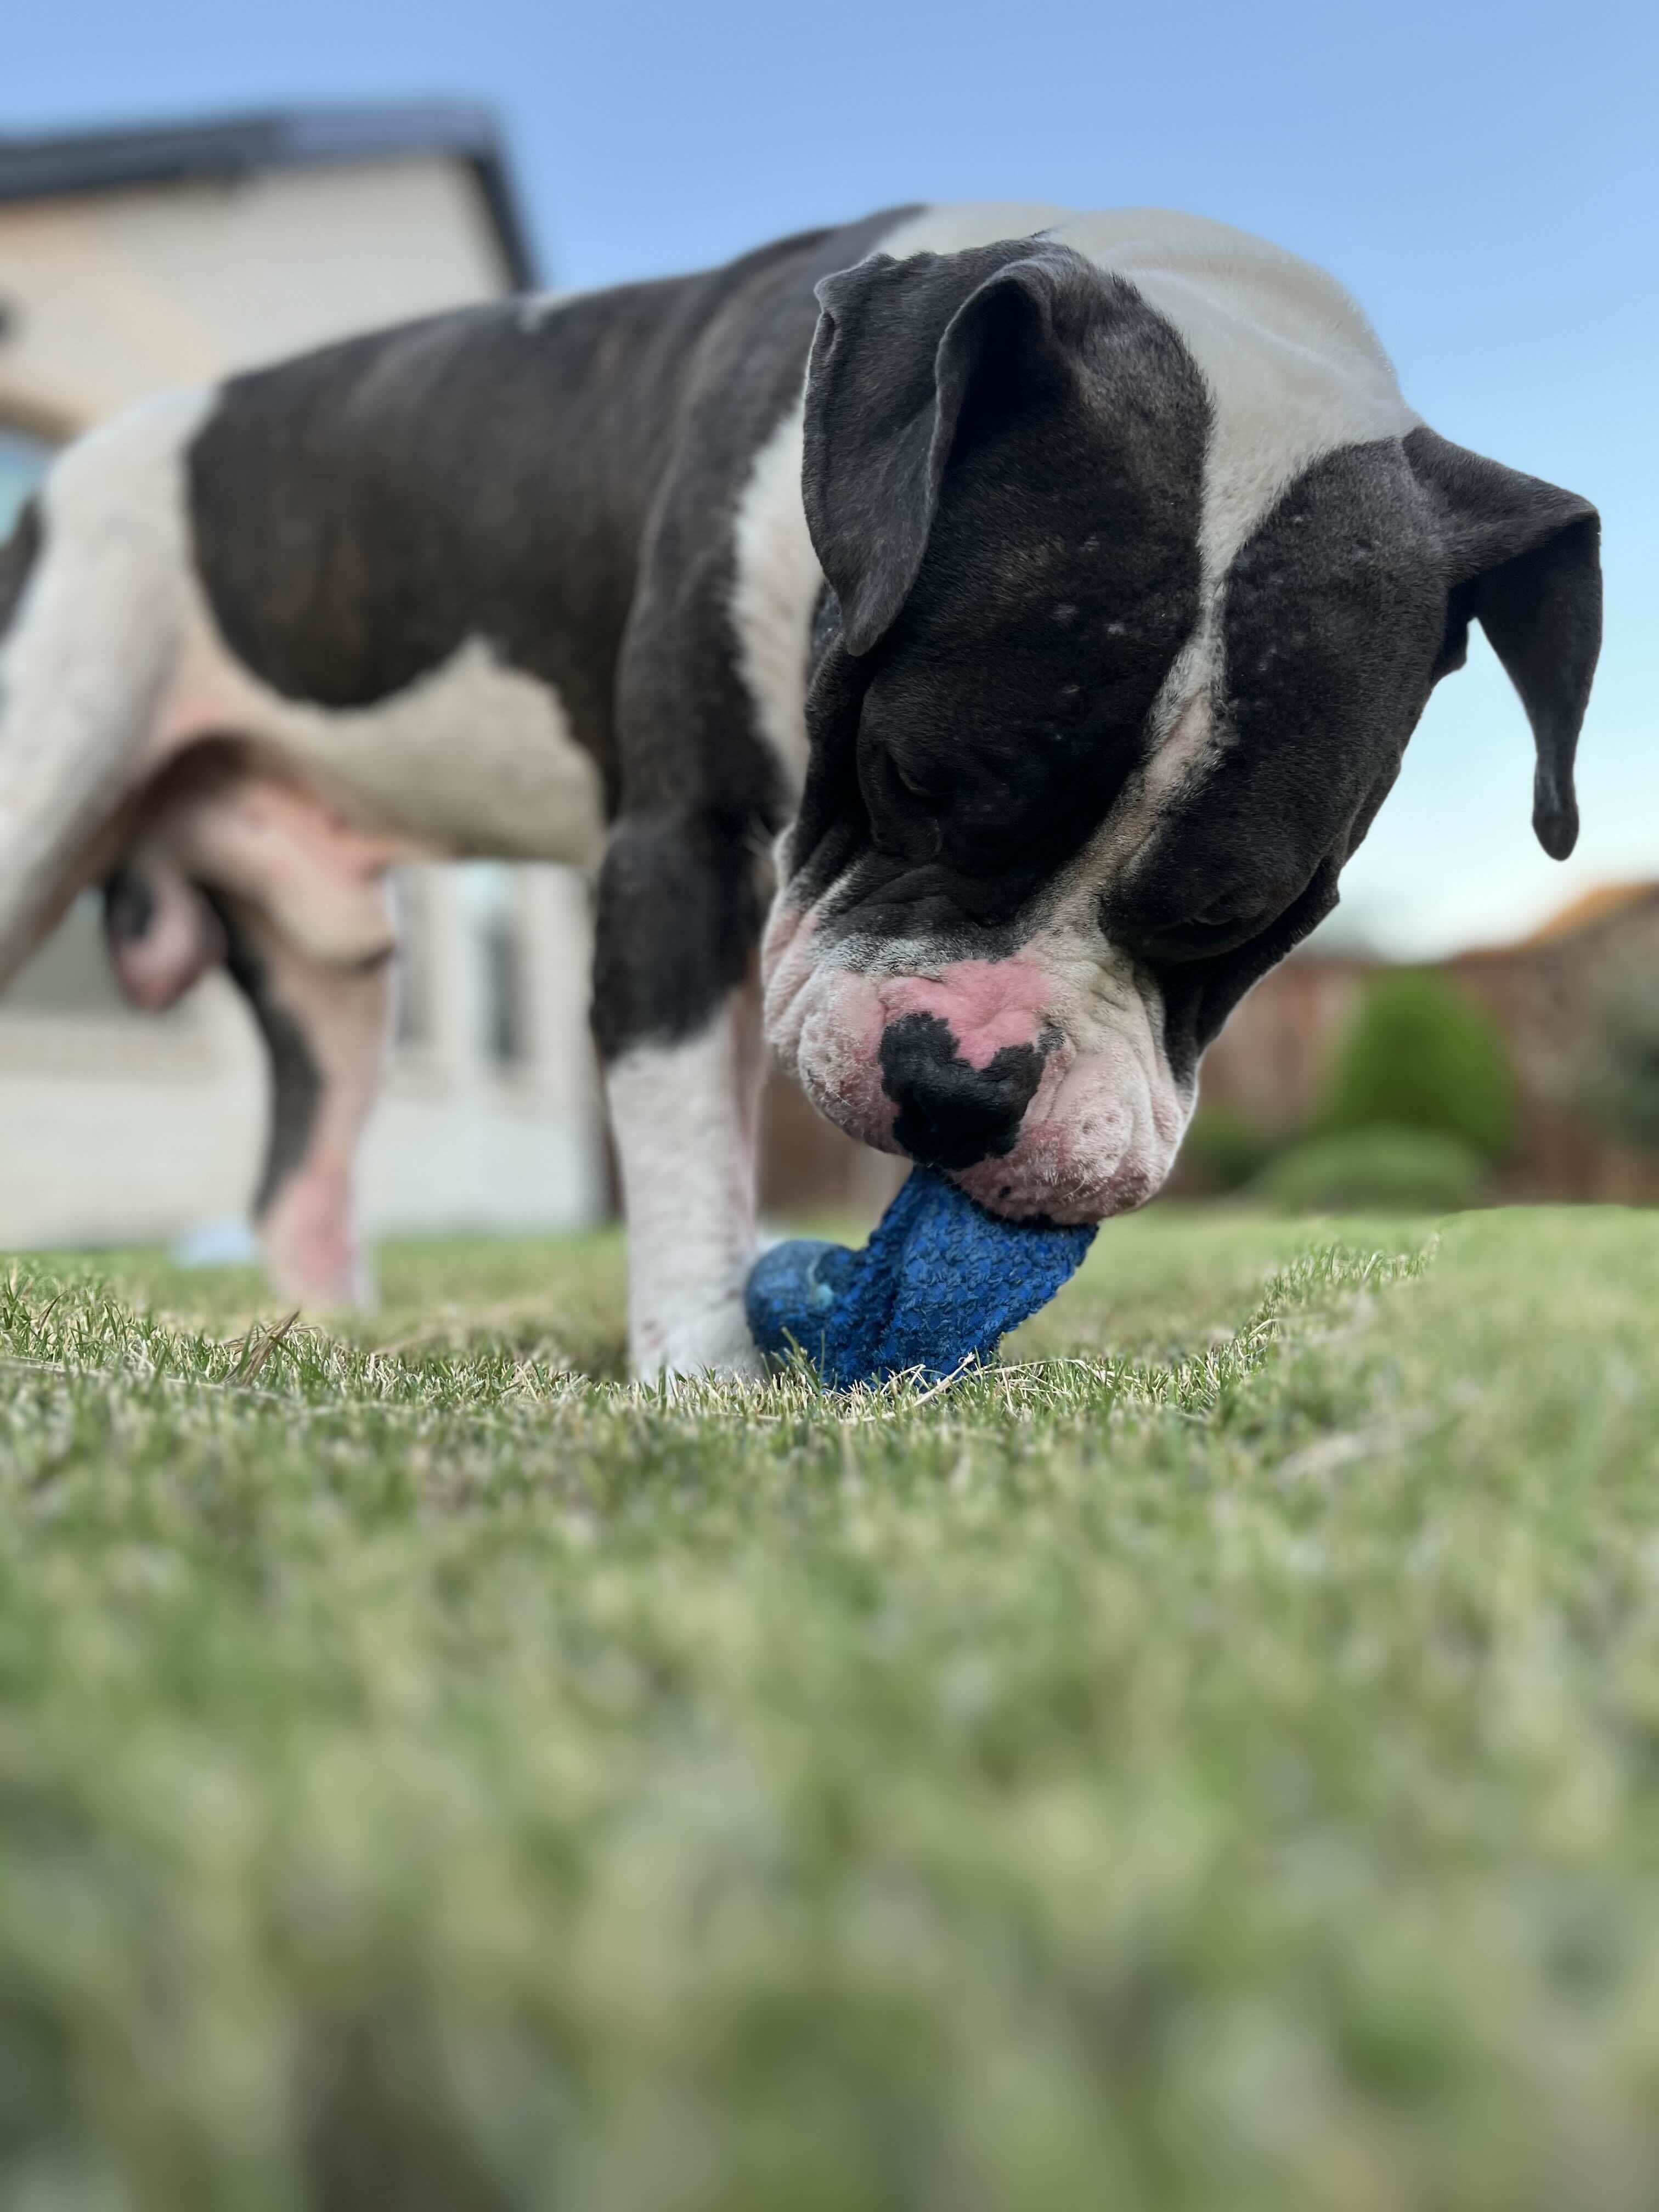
point(938, 1285)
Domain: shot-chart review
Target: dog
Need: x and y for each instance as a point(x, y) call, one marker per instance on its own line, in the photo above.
point(1030, 608)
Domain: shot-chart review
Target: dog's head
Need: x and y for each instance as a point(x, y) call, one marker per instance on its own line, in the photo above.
point(1095, 719)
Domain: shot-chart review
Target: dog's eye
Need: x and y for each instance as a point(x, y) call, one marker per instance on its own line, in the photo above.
point(1230, 922)
point(1196, 940)
point(1221, 927)
point(901, 780)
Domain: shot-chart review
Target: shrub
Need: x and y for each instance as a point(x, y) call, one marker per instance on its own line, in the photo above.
point(1420, 1057)
point(1625, 1090)
point(1223, 1152)
point(1383, 1169)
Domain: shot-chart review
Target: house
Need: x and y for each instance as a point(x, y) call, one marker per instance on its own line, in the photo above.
point(1560, 999)
point(134, 259)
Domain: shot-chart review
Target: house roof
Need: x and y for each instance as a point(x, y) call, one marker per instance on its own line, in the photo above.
point(1592, 907)
point(227, 147)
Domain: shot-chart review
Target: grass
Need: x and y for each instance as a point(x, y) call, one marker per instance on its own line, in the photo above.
point(1211, 1762)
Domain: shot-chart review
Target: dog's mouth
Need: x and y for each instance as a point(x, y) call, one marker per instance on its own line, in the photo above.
point(1040, 1096)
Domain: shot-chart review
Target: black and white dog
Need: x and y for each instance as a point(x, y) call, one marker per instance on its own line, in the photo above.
point(1064, 587)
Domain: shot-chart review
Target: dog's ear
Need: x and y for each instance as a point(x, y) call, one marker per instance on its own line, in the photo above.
point(1524, 560)
point(896, 352)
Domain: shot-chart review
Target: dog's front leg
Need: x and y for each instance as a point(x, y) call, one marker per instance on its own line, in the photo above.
point(325, 1029)
point(677, 1019)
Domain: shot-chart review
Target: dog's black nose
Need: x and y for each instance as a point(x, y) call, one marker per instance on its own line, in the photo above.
point(951, 1114)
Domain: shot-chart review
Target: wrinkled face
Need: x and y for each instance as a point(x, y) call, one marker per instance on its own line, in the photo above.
point(1065, 813)
point(1079, 790)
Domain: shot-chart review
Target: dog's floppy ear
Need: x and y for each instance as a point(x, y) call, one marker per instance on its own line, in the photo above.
point(1524, 560)
point(893, 357)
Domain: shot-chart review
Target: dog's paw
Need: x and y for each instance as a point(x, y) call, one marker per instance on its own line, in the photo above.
point(714, 1345)
point(320, 1273)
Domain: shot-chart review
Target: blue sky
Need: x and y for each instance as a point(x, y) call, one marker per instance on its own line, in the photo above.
point(1483, 177)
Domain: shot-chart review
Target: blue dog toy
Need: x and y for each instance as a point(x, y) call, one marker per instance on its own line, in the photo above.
point(938, 1285)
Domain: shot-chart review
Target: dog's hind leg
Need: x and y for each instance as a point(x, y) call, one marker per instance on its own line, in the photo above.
point(90, 611)
point(326, 1027)
point(237, 869)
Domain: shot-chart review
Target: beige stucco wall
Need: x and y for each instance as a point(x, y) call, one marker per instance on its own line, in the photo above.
point(115, 294)
point(113, 1129)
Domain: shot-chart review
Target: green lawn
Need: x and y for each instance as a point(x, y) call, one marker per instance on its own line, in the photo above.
point(1211, 1762)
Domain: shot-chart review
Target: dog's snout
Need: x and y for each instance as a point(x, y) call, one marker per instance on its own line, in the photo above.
point(951, 1114)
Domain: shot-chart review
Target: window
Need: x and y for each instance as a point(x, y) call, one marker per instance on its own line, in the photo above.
point(488, 898)
point(504, 1039)
point(413, 1028)
point(23, 462)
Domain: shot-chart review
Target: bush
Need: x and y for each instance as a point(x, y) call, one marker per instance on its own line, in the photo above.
point(1223, 1152)
point(1420, 1057)
point(1387, 1170)
point(1625, 1090)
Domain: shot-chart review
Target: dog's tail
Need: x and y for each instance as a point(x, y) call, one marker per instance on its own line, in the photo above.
point(91, 614)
